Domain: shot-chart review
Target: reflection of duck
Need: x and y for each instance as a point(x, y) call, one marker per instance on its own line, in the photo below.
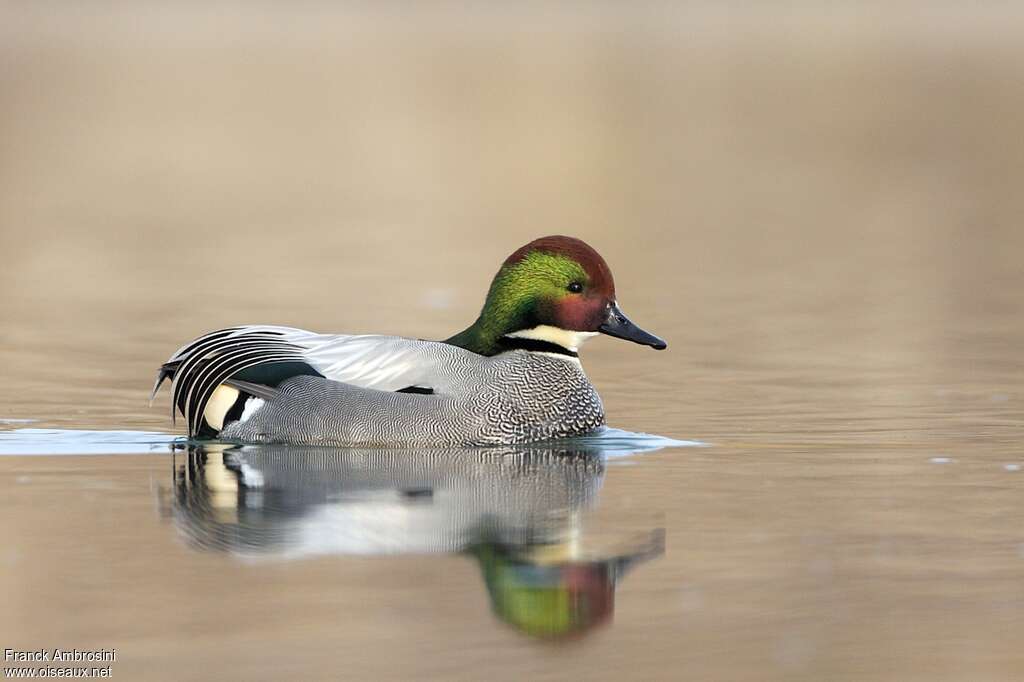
point(304, 501)
point(517, 511)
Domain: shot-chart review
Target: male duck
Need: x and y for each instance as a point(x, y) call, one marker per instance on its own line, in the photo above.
point(513, 376)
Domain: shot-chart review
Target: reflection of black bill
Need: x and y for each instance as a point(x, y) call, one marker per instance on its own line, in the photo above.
point(619, 326)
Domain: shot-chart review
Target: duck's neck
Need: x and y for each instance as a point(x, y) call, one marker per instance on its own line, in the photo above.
point(479, 337)
point(483, 339)
point(509, 320)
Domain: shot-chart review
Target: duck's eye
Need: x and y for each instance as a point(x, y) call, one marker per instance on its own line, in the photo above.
point(575, 287)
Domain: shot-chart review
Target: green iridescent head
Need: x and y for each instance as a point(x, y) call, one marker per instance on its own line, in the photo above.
point(552, 292)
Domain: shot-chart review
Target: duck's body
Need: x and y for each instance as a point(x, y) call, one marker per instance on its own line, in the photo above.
point(377, 394)
point(512, 377)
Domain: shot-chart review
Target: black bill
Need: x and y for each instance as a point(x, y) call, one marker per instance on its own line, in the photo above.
point(618, 325)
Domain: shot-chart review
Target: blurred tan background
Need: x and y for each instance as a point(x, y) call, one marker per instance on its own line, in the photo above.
point(819, 205)
point(169, 168)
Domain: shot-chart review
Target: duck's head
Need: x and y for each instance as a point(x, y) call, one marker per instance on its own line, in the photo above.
point(551, 294)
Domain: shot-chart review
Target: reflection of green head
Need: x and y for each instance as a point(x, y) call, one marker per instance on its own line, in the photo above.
point(548, 601)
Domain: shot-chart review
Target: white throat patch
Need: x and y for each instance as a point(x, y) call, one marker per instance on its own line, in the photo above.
point(569, 340)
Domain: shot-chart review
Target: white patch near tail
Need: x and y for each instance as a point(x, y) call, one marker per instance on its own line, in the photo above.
point(251, 405)
point(217, 408)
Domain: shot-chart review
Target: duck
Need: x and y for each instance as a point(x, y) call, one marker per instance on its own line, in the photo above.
point(513, 376)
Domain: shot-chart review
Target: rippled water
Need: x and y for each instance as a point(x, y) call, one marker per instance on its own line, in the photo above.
point(820, 212)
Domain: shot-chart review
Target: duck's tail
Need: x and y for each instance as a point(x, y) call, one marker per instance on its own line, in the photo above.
point(214, 376)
